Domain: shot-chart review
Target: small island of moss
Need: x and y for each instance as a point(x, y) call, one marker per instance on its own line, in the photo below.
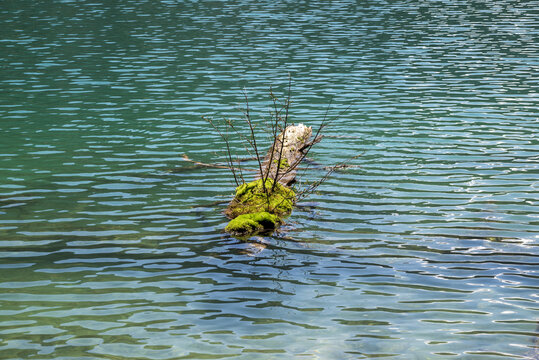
point(248, 224)
point(255, 197)
point(258, 207)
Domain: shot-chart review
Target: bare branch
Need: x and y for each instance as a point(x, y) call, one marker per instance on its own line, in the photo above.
point(215, 166)
point(274, 129)
point(330, 170)
point(225, 138)
point(287, 108)
point(253, 138)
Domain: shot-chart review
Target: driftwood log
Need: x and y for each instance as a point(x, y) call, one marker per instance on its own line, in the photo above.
point(293, 141)
point(261, 205)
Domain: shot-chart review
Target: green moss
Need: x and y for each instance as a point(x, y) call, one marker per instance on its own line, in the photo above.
point(283, 162)
point(248, 224)
point(252, 198)
point(258, 209)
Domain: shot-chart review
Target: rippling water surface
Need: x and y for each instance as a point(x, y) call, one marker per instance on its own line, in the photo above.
point(112, 245)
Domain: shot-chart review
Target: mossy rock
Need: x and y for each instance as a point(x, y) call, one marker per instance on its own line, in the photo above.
point(250, 224)
point(252, 198)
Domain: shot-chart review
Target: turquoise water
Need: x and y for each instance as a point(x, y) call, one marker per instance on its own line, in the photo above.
point(112, 245)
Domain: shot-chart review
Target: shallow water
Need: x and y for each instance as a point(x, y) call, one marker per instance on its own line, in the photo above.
point(112, 245)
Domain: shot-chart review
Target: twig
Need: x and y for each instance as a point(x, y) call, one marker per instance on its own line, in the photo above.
point(225, 138)
point(253, 137)
point(330, 170)
point(317, 137)
point(216, 166)
point(287, 108)
point(274, 127)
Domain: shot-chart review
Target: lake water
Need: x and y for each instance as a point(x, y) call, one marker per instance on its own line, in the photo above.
point(112, 246)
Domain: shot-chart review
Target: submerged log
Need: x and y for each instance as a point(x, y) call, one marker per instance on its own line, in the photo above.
point(261, 205)
point(282, 164)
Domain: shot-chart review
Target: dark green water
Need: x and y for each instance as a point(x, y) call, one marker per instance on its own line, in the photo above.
point(429, 250)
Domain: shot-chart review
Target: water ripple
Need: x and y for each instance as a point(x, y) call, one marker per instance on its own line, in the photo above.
point(112, 245)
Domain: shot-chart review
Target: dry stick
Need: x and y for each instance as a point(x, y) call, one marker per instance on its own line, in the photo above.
point(283, 140)
point(317, 138)
point(248, 141)
point(275, 100)
point(242, 137)
point(238, 161)
point(241, 171)
point(323, 125)
point(248, 119)
point(274, 118)
point(274, 128)
point(331, 170)
point(287, 108)
point(229, 159)
point(308, 190)
point(216, 166)
point(310, 144)
point(227, 149)
point(302, 157)
point(277, 114)
point(268, 130)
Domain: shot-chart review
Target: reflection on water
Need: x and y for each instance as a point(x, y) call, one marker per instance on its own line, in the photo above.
point(426, 251)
